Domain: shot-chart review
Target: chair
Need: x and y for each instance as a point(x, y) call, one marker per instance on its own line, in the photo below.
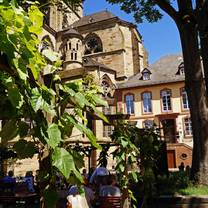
point(7, 189)
point(21, 187)
point(7, 194)
point(110, 202)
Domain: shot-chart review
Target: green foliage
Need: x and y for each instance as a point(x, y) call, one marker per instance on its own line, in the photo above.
point(103, 157)
point(137, 157)
point(25, 149)
point(141, 9)
point(173, 183)
point(126, 154)
point(9, 131)
point(24, 96)
point(51, 196)
point(194, 190)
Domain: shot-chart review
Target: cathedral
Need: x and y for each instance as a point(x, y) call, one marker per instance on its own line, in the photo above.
point(111, 50)
point(102, 45)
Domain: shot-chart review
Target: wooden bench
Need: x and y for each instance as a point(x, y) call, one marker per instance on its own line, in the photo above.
point(110, 202)
point(11, 195)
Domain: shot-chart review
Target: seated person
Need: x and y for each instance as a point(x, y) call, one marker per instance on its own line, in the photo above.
point(8, 183)
point(111, 189)
point(100, 171)
point(89, 193)
point(29, 180)
point(9, 178)
point(76, 200)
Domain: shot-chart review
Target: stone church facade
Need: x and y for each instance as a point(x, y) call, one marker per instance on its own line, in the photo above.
point(100, 44)
point(111, 49)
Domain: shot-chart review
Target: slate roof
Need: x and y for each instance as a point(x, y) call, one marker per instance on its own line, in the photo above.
point(163, 71)
point(71, 32)
point(93, 18)
point(89, 62)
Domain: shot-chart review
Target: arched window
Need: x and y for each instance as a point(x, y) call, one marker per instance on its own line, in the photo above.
point(93, 44)
point(184, 97)
point(129, 100)
point(46, 17)
point(106, 88)
point(147, 102)
point(166, 100)
point(46, 43)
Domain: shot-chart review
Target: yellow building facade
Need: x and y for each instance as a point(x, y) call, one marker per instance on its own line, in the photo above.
point(157, 96)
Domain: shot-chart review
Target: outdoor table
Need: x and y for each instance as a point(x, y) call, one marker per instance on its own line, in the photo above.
point(27, 200)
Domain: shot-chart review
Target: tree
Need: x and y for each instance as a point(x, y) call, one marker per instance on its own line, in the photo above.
point(138, 159)
point(34, 110)
point(191, 18)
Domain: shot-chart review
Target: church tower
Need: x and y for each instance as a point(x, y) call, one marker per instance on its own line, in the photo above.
point(72, 49)
point(61, 16)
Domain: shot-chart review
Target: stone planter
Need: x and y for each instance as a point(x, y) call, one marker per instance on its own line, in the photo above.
point(179, 202)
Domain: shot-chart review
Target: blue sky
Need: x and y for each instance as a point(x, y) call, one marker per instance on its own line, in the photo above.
point(159, 38)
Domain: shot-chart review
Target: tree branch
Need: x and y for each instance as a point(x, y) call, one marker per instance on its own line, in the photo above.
point(200, 4)
point(166, 7)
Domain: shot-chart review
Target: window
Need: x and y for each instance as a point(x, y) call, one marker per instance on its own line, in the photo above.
point(93, 44)
point(107, 110)
point(129, 100)
point(187, 127)
point(181, 69)
point(106, 88)
point(107, 130)
point(46, 44)
point(148, 124)
point(146, 76)
point(185, 103)
point(70, 45)
point(65, 21)
point(46, 16)
point(166, 100)
point(147, 102)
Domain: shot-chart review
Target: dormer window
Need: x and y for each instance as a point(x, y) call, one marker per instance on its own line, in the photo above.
point(146, 74)
point(181, 69)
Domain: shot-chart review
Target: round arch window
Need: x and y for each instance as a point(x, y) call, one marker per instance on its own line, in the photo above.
point(93, 44)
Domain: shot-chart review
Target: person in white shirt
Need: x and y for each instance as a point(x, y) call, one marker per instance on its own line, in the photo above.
point(111, 189)
point(76, 200)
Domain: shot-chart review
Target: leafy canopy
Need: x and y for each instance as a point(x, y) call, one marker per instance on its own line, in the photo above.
point(40, 117)
point(141, 9)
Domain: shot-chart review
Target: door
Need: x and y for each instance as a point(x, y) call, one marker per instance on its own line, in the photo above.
point(169, 133)
point(171, 158)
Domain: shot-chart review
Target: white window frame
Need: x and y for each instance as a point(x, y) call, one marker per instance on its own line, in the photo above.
point(147, 102)
point(166, 100)
point(184, 98)
point(129, 100)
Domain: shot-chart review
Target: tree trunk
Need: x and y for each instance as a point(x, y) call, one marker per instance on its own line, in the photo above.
point(202, 20)
point(45, 166)
point(196, 90)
